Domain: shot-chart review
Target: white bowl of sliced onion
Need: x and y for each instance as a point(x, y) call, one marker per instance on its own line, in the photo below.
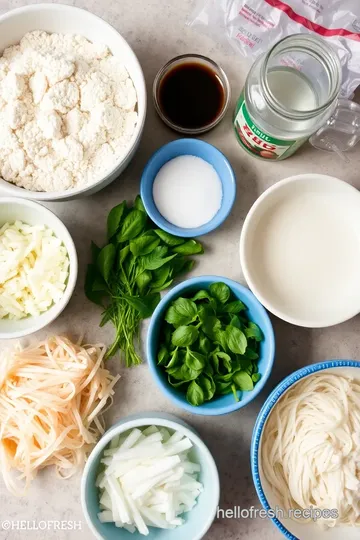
point(305, 453)
point(38, 267)
point(150, 474)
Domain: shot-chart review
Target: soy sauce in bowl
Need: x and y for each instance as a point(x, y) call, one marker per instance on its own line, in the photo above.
point(191, 94)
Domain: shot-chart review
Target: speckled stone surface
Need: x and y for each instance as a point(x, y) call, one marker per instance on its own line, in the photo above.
point(156, 30)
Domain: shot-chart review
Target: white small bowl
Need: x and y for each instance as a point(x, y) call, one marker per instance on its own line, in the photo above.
point(197, 521)
point(316, 284)
point(59, 18)
point(32, 213)
point(294, 530)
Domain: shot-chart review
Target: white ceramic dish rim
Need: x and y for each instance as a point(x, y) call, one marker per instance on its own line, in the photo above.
point(73, 269)
point(59, 195)
point(243, 241)
point(264, 414)
point(157, 419)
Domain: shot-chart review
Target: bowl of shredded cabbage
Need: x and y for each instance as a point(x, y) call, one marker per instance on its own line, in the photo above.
point(150, 475)
point(38, 267)
point(305, 452)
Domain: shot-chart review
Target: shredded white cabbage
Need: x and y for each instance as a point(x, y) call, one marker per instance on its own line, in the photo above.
point(311, 448)
point(51, 395)
point(148, 480)
point(34, 267)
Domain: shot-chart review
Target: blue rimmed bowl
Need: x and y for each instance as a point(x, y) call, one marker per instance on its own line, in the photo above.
point(256, 313)
point(294, 530)
point(197, 521)
point(192, 147)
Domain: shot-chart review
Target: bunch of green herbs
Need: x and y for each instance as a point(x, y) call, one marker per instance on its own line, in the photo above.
point(127, 275)
point(208, 346)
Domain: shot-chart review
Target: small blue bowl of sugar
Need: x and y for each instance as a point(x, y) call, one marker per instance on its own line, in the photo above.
point(188, 187)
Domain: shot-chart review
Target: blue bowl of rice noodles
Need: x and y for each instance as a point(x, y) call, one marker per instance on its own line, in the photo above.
point(305, 453)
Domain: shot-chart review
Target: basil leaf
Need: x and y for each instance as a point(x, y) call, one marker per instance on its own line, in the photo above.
point(256, 377)
point(132, 226)
point(99, 284)
point(156, 258)
point(222, 387)
point(220, 291)
point(143, 280)
point(210, 326)
point(163, 287)
point(167, 331)
point(114, 219)
point(195, 394)
point(123, 253)
point(91, 275)
point(143, 245)
point(139, 205)
point(176, 358)
point(184, 336)
point(215, 361)
point(181, 313)
point(235, 321)
point(169, 239)
point(204, 344)
point(201, 295)
point(160, 276)
point(183, 373)
point(236, 340)
point(243, 381)
point(221, 339)
point(252, 355)
point(234, 307)
point(207, 385)
point(226, 359)
point(95, 250)
point(145, 305)
point(194, 360)
point(191, 247)
point(253, 331)
point(105, 261)
point(162, 356)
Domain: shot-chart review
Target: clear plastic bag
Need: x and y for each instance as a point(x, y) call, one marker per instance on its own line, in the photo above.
point(253, 26)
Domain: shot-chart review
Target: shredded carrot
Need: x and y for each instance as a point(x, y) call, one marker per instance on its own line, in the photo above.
point(52, 395)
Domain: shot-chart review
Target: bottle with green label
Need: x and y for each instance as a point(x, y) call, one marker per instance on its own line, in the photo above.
point(289, 94)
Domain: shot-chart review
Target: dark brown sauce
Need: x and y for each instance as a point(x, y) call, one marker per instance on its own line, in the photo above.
point(191, 95)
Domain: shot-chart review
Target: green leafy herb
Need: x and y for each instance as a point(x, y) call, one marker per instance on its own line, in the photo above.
point(195, 394)
point(114, 219)
point(126, 276)
point(184, 336)
point(105, 261)
point(220, 291)
point(181, 312)
point(191, 247)
point(215, 346)
point(243, 381)
point(236, 340)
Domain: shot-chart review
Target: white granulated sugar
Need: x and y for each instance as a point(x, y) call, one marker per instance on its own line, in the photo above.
point(187, 191)
point(67, 112)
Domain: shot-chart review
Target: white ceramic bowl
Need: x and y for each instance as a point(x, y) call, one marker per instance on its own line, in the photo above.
point(293, 530)
point(12, 209)
point(300, 250)
point(71, 20)
point(197, 521)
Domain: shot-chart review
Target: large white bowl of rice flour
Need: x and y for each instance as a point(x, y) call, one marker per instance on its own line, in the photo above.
point(300, 250)
point(77, 104)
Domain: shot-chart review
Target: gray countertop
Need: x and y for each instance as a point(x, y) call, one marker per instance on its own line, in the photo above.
point(156, 30)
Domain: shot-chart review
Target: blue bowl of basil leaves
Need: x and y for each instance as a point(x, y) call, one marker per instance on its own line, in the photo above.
point(224, 369)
